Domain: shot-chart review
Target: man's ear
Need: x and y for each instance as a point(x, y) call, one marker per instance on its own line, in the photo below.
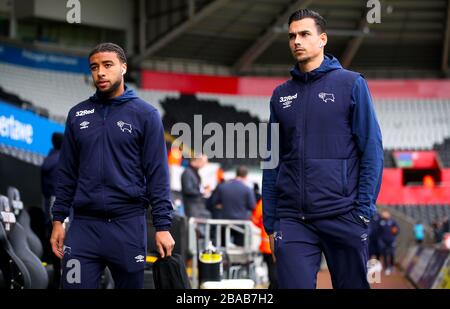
point(124, 68)
point(323, 39)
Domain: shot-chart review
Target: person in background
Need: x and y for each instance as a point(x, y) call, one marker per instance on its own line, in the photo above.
point(388, 231)
point(438, 234)
point(192, 191)
point(257, 192)
point(374, 248)
point(419, 232)
point(49, 170)
point(237, 200)
point(216, 210)
point(264, 247)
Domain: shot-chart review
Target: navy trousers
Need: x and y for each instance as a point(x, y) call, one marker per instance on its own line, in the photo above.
point(299, 246)
point(93, 244)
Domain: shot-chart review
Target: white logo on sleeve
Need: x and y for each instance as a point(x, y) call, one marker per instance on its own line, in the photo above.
point(84, 125)
point(124, 126)
point(139, 258)
point(287, 100)
point(326, 96)
point(84, 112)
point(67, 250)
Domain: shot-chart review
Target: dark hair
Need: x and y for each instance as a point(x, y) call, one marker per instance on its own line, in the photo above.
point(321, 23)
point(57, 139)
point(109, 47)
point(241, 171)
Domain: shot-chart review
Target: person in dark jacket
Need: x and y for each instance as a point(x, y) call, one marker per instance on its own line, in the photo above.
point(192, 191)
point(113, 164)
point(237, 201)
point(236, 198)
point(49, 171)
point(322, 193)
point(374, 246)
point(388, 231)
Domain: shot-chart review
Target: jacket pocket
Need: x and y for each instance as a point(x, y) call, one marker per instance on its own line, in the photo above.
point(287, 182)
point(324, 182)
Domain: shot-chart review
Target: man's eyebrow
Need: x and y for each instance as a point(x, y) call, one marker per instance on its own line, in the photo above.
point(103, 62)
point(299, 32)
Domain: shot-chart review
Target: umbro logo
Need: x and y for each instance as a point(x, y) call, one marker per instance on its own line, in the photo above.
point(84, 112)
point(139, 258)
point(84, 125)
point(364, 237)
point(326, 96)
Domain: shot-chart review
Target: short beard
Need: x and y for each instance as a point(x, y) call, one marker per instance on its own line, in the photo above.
point(304, 60)
point(111, 90)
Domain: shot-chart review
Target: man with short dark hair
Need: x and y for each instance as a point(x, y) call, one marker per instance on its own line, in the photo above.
point(236, 200)
point(321, 196)
point(113, 164)
point(236, 197)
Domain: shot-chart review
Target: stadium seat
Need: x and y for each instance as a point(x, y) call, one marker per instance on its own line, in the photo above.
point(14, 271)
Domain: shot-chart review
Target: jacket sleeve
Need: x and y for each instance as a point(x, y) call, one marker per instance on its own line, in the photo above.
point(367, 134)
point(269, 191)
point(156, 171)
point(67, 174)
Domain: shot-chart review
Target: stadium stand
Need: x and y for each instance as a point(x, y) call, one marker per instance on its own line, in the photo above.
point(444, 152)
point(413, 124)
point(46, 90)
point(426, 214)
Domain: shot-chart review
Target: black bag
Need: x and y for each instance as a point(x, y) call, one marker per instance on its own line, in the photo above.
point(170, 273)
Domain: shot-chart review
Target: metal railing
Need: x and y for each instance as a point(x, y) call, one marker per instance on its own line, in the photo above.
point(201, 233)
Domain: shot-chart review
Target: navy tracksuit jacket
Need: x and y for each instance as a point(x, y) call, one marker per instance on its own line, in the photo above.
point(113, 164)
point(49, 172)
point(328, 177)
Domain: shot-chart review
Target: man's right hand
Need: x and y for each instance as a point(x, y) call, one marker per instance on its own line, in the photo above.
point(57, 239)
point(272, 246)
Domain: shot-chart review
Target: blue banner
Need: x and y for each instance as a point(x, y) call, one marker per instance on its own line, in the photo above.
point(26, 130)
point(43, 60)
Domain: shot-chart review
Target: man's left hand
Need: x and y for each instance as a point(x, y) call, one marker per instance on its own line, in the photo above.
point(164, 243)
